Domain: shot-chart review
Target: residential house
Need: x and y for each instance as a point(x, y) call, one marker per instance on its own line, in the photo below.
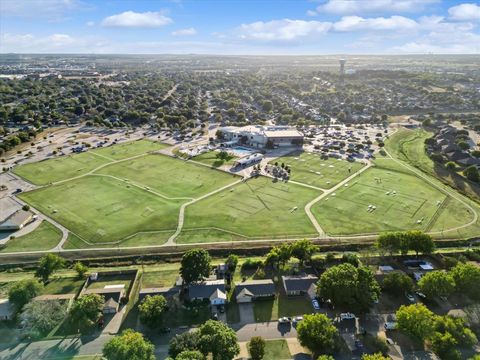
point(167, 292)
point(211, 290)
point(298, 284)
point(251, 290)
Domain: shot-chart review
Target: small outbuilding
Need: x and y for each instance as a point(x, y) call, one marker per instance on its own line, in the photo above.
point(6, 310)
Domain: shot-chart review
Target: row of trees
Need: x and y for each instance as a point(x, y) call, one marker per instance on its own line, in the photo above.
point(404, 241)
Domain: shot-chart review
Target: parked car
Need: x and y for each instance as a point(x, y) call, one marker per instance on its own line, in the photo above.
point(358, 344)
point(347, 316)
point(284, 320)
point(221, 308)
point(165, 330)
point(390, 325)
point(315, 304)
point(297, 319)
point(410, 298)
point(214, 316)
point(420, 294)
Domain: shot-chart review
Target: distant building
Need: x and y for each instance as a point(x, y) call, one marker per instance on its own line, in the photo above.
point(16, 221)
point(258, 136)
point(112, 295)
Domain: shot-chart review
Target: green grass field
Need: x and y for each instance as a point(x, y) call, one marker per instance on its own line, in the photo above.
point(310, 169)
point(210, 158)
point(256, 208)
point(101, 209)
point(44, 237)
point(61, 168)
point(402, 200)
point(129, 149)
point(169, 176)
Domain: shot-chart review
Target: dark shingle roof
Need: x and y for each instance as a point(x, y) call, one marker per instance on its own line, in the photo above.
point(298, 283)
point(205, 289)
point(256, 287)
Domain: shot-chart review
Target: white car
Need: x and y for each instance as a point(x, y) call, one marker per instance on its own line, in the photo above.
point(390, 325)
point(297, 319)
point(347, 316)
point(284, 320)
point(410, 298)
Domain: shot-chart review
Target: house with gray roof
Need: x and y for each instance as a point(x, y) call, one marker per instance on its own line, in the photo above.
point(251, 290)
point(298, 284)
point(212, 290)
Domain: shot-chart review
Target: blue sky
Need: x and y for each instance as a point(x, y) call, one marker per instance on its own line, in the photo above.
point(240, 27)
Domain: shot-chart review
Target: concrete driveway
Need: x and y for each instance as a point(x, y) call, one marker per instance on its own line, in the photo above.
point(246, 313)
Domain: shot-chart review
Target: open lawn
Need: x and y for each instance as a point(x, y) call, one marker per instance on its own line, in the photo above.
point(129, 149)
point(385, 198)
point(259, 207)
point(311, 169)
point(160, 278)
point(276, 350)
point(102, 209)
point(169, 176)
point(63, 285)
point(210, 158)
point(60, 168)
point(44, 237)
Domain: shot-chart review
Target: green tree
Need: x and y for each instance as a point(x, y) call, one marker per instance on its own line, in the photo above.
point(437, 283)
point(231, 263)
point(443, 344)
point(195, 265)
point(303, 250)
point(129, 345)
point(325, 357)
point(416, 320)
point(451, 166)
point(267, 106)
point(187, 341)
point(80, 269)
point(349, 286)
point(218, 339)
point(397, 283)
point(457, 328)
point(190, 355)
point(420, 242)
point(48, 265)
point(256, 347)
point(377, 356)
point(389, 242)
point(22, 292)
point(317, 333)
point(86, 311)
point(41, 317)
point(467, 280)
point(151, 310)
point(472, 174)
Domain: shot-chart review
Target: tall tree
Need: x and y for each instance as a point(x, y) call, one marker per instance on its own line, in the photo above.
point(48, 264)
point(317, 333)
point(397, 283)
point(187, 341)
point(416, 320)
point(303, 250)
point(218, 339)
point(437, 283)
point(22, 292)
point(420, 242)
point(467, 279)
point(152, 309)
point(195, 265)
point(389, 242)
point(86, 311)
point(129, 345)
point(190, 355)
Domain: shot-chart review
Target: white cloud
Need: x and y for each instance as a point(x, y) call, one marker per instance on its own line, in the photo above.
point(184, 32)
point(90, 23)
point(346, 7)
point(311, 13)
point(464, 12)
point(356, 23)
point(284, 30)
point(132, 19)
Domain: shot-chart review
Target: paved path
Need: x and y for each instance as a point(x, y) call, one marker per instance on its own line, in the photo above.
point(308, 207)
